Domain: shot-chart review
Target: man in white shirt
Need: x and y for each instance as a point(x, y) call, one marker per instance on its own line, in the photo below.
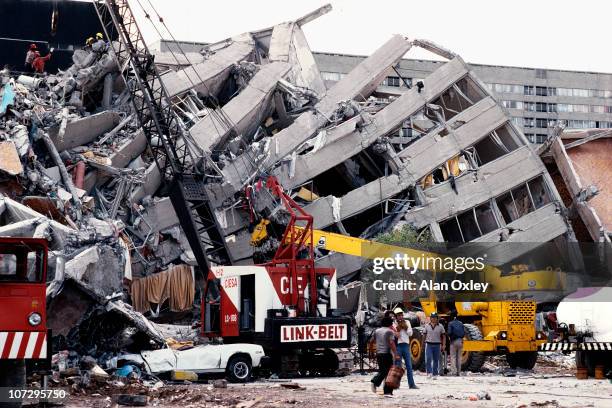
point(403, 330)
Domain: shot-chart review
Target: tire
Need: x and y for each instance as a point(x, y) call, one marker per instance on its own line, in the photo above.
point(472, 360)
point(588, 360)
point(417, 350)
point(12, 374)
point(522, 359)
point(239, 369)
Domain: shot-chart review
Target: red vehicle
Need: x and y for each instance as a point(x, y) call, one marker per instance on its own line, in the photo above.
point(286, 304)
point(23, 332)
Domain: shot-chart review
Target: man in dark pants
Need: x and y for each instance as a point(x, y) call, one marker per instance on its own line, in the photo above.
point(435, 339)
point(456, 331)
point(386, 353)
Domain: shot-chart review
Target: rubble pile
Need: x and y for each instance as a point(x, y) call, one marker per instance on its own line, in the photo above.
point(439, 155)
point(73, 166)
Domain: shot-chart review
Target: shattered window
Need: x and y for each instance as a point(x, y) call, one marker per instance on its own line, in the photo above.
point(505, 203)
point(470, 224)
point(538, 191)
point(451, 231)
point(517, 202)
point(486, 218)
point(522, 201)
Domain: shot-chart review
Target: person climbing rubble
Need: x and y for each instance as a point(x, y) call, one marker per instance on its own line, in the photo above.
point(88, 43)
point(39, 62)
point(99, 46)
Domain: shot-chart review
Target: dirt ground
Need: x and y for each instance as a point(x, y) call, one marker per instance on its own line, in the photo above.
point(536, 390)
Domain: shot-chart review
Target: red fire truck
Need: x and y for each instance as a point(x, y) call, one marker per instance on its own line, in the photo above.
point(23, 333)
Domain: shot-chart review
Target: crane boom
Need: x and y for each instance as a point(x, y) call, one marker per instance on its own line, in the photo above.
point(165, 134)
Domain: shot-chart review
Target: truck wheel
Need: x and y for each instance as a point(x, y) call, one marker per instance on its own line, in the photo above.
point(417, 350)
point(12, 374)
point(588, 360)
point(239, 369)
point(472, 360)
point(522, 359)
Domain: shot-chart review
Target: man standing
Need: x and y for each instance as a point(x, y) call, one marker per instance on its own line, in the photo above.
point(456, 331)
point(403, 331)
point(29, 59)
point(386, 352)
point(435, 339)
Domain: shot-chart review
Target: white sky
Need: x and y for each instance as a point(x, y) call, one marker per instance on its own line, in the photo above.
point(559, 34)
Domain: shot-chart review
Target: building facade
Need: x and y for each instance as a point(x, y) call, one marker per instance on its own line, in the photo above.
point(536, 99)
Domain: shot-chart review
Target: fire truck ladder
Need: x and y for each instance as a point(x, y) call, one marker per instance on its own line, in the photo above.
point(165, 134)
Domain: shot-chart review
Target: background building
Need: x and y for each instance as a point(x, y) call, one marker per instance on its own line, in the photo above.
point(537, 99)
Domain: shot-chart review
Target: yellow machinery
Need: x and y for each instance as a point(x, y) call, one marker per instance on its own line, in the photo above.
point(495, 327)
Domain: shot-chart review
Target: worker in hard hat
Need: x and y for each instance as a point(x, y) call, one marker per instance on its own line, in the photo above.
point(99, 46)
point(403, 331)
point(29, 59)
point(435, 341)
point(39, 62)
point(89, 42)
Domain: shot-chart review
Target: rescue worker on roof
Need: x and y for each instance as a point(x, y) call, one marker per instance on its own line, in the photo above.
point(29, 59)
point(39, 62)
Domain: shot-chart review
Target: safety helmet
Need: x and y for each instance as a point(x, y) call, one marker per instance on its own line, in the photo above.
point(398, 310)
point(89, 41)
point(99, 36)
point(33, 46)
point(433, 314)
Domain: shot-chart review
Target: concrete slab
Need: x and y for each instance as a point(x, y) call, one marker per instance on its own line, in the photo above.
point(208, 76)
point(84, 130)
point(245, 111)
point(358, 84)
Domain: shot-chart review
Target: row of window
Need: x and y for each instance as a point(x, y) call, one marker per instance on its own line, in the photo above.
point(536, 138)
point(549, 91)
point(332, 76)
point(569, 124)
point(397, 81)
point(502, 88)
point(556, 107)
point(488, 217)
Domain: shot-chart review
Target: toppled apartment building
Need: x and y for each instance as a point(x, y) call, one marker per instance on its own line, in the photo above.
point(441, 155)
point(77, 168)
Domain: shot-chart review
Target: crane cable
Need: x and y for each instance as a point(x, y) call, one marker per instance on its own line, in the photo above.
point(224, 119)
point(217, 112)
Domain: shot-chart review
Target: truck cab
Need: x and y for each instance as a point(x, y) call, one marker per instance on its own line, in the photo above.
point(23, 330)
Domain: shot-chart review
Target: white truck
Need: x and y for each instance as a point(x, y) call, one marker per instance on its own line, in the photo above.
point(585, 326)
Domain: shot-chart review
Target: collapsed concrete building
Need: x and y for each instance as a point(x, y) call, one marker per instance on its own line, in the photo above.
point(440, 155)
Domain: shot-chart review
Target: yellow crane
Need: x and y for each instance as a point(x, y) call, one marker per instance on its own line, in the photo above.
point(493, 327)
